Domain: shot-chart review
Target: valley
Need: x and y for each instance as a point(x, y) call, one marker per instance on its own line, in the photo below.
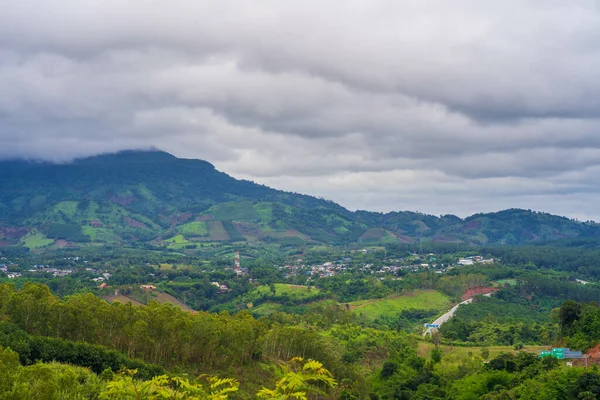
point(141, 270)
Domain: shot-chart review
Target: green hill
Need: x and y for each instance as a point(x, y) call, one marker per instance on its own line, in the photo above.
point(153, 198)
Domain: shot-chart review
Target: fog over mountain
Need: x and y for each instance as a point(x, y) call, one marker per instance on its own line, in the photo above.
point(433, 106)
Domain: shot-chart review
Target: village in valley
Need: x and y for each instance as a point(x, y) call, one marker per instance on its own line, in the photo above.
point(411, 263)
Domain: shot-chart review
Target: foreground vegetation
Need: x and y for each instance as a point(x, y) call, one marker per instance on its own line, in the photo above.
point(89, 348)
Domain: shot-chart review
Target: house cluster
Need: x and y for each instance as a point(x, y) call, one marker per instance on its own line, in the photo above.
point(475, 260)
point(332, 268)
point(222, 287)
point(9, 275)
point(325, 270)
point(50, 270)
point(105, 276)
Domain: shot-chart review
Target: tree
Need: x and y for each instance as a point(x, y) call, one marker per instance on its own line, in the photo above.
point(169, 388)
point(569, 313)
point(485, 353)
point(436, 355)
point(300, 378)
point(389, 368)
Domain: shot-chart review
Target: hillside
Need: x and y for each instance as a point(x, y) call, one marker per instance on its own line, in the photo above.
point(152, 198)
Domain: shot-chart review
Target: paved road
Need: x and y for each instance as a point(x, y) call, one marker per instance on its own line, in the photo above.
point(450, 314)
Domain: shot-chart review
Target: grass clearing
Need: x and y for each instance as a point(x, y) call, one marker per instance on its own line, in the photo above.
point(99, 234)
point(424, 350)
point(36, 240)
point(390, 307)
point(177, 239)
point(68, 208)
point(295, 292)
point(264, 212)
point(197, 228)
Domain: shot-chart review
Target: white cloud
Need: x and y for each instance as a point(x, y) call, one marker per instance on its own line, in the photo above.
point(433, 106)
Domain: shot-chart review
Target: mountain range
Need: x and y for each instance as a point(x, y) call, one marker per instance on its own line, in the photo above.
point(156, 199)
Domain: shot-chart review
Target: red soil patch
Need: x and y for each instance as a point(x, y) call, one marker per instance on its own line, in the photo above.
point(474, 291)
point(60, 243)
point(175, 220)
point(205, 218)
point(96, 224)
point(12, 232)
point(594, 352)
point(247, 228)
point(135, 224)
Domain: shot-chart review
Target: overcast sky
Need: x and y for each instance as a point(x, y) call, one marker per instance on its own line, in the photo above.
point(433, 106)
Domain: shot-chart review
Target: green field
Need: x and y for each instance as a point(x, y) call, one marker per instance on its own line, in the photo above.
point(424, 350)
point(99, 234)
point(420, 300)
point(36, 240)
point(197, 228)
point(295, 292)
point(234, 210)
point(177, 242)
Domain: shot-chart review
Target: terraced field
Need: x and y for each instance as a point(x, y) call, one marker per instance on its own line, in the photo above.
point(217, 231)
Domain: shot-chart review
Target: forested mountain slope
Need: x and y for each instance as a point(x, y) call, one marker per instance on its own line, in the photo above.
point(154, 198)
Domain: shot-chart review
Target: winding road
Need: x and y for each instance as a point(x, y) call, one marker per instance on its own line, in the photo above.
point(449, 314)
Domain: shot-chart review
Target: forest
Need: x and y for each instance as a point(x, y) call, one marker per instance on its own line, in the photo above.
point(85, 348)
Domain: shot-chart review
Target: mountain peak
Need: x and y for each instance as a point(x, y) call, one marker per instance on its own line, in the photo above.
point(129, 156)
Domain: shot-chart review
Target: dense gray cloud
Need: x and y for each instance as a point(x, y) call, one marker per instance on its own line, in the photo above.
point(436, 106)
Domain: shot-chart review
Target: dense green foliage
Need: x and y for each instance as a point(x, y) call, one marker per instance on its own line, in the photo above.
point(85, 331)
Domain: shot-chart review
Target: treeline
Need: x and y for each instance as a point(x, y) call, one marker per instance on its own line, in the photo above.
point(581, 260)
point(541, 285)
point(32, 349)
point(159, 334)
